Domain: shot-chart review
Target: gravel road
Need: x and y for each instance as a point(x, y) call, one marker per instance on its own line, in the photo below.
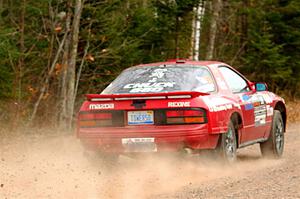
point(260, 178)
point(53, 166)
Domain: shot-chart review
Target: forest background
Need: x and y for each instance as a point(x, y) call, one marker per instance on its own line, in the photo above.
point(52, 52)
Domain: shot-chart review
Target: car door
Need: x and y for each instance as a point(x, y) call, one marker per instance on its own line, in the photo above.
point(252, 104)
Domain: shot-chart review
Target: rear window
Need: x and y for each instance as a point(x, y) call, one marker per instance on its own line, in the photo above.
point(155, 79)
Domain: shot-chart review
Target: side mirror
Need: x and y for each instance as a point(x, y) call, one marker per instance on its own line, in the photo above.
point(260, 86)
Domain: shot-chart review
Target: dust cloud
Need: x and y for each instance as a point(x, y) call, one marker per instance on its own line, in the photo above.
point(54, 166)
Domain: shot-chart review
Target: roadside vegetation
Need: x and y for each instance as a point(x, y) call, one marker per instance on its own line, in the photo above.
point(52, 52)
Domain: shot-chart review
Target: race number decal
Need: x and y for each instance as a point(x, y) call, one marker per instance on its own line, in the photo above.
point(156, 83)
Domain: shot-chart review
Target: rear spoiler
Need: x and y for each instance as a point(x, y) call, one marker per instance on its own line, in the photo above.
point(134, 96)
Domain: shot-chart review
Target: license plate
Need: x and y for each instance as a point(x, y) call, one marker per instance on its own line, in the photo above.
point(140, 117)
point(139, 144)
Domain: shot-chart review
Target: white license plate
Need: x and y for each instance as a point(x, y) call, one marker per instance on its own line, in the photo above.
point(139, 144)
point(140, 117)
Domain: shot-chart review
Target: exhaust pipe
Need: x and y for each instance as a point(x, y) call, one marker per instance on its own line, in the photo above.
point(188, 150)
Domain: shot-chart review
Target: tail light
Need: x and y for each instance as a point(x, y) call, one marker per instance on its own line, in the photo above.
point(100, 116)
point(100, 119)
point(185, 116)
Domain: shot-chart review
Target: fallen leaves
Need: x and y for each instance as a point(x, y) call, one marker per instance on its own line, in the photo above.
point(58, 29)
point(90, 57)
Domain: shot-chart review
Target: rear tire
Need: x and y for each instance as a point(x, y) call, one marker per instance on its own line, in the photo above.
point(227, 145)
point(273, 147)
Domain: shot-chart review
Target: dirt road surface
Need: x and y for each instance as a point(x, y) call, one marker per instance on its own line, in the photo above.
point(39, 166)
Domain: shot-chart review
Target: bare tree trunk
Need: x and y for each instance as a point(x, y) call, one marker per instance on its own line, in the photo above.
point(82, 63)
point(22, 50)
point(19, 71)
point(216, 7)
point(46, 82)
point(72, 64)
point(62, 102)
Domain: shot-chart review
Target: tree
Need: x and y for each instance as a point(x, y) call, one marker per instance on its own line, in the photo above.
point(274, 41)
point(69, 95)
point(52, 52)
point(216, 9)
point(199, 11)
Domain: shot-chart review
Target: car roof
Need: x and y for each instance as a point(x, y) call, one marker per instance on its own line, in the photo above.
point(184, 62)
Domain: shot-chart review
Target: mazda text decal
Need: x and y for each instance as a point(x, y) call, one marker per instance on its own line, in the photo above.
point(101, 106)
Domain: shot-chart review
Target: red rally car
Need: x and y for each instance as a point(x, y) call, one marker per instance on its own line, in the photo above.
point(181, 104)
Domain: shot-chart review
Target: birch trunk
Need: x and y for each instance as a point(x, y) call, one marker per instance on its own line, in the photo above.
point(216, 6)
point(196, 33)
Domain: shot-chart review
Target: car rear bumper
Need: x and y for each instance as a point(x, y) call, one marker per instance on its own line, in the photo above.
point(167, 138)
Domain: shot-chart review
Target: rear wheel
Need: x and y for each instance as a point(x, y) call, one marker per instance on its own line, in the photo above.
point(227, 145)
point(273, 147)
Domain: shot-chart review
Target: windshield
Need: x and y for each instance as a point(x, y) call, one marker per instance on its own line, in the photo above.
point(154, 79)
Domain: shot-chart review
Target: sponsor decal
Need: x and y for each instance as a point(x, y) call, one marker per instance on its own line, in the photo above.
point(247, 102)
point(267, 98)
point(101, 106)
point(250, 102)
point(159, 73)
point(249, 107)
point(260, 110)
point(154, 84)
point(218, 104)
point(148, 86)
point(270, 110)
point(222, 107)
point(145, 90)
point(260, 120)
point(179, 104)
point(257, 103)
point(260, 114)
point(237, 105)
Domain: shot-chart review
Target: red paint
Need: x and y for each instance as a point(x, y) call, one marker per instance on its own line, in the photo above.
point(175, 137)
